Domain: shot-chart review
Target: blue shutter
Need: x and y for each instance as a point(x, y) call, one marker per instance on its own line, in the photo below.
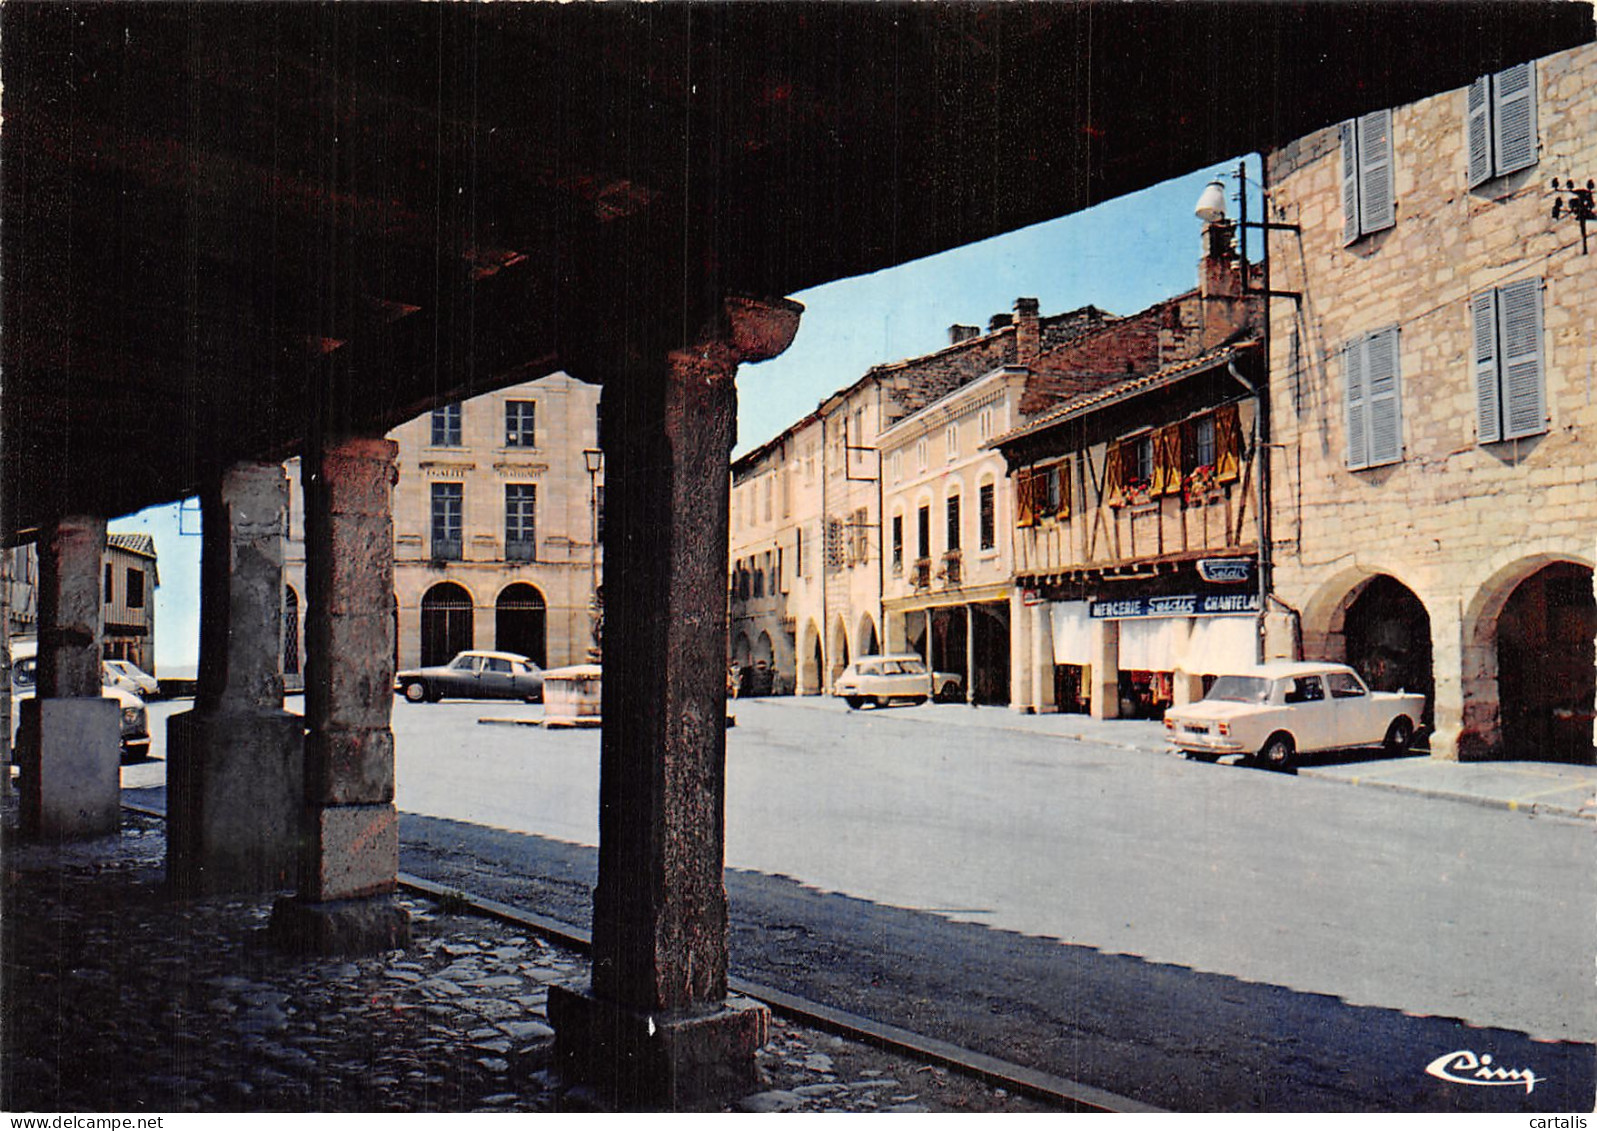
point(1358, 448)
point(1377, 209)
point(1519, 313)
point(1488, 400)
point(1350, 183)
point(1514, 118)
point(1383, 400)
point(1478, 131)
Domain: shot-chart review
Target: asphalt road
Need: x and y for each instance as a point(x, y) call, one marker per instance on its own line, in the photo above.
point(1196, 937)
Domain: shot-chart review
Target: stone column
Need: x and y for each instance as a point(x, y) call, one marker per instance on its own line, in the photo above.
point(657, 1028)
point(1465, 705)
point(970, 654)
point(235, 778)
point(349, 852)
point(1020, 654)
point(70, 753)
point(1106, 669)
point(1042, 660)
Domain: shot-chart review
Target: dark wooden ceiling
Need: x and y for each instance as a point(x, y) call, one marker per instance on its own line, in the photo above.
point(217, 215)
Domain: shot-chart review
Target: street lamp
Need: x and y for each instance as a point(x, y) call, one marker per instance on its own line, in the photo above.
point(594, 458)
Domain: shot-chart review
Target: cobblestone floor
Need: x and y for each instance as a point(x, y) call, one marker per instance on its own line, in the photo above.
point(116, 998)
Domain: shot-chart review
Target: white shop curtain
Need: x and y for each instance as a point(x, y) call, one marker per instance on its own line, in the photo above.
point(1152, 643)
point(1217, 645)
point(1072, 632)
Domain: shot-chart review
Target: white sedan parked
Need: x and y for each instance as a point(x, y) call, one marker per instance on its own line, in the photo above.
point(881, 679)
point(1277, 711)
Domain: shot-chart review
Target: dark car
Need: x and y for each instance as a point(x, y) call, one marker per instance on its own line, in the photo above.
point(474, 675)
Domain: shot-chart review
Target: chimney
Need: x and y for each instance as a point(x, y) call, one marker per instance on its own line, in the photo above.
point(1028, 332)
point(1224, 309)
point(999, 322)
point(958, 333)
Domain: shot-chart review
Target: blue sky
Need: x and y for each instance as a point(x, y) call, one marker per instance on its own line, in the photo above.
point(1122, 256)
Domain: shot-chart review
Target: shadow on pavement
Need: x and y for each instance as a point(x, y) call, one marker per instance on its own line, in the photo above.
point(1161, 1034)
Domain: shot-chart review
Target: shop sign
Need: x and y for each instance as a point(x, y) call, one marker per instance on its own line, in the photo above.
point(1180, 605)
point(1225, 569)
point(1030, 597)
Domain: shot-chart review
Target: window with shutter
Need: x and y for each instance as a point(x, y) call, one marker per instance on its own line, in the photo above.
point(1167, 460)
point(1025, 499)
point(1373, 400)
point(1062, 487)
point(1510, 390)
point(1500, 123)
point(1368, 204)
point(988, 517)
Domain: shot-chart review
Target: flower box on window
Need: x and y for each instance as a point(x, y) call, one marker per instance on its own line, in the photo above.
point(1202, 484)
point(1139, 492)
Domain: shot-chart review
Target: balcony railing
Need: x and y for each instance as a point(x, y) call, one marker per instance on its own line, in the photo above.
point(521, 551)
point(953, 566)
point(446, 551)
point(920, 574)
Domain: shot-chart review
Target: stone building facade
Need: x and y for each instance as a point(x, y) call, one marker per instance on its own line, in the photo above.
point(494, 528)
point(807, 511)
point(1435, 427)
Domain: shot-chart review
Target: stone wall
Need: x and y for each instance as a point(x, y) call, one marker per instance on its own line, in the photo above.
point(1458, 522)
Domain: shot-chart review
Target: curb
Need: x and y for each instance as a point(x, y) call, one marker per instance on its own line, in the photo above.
point(1511, 805)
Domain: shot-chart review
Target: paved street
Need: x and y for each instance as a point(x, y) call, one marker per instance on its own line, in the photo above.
point(1394, 906)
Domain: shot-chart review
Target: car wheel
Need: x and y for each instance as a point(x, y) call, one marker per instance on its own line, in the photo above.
point(1202, 755)
point(917, 700)
point(881, 700)
point(854, 702)
point(1399, 736)
point(416, 693)
point(1280, 753)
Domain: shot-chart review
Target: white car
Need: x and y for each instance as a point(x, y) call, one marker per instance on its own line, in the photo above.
point(133, 678)
point(135, 722)
point(881, 679)
point(1276, 711)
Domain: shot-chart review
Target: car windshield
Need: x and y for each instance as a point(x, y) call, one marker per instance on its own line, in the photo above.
point(463, 661)
point(1239, 689)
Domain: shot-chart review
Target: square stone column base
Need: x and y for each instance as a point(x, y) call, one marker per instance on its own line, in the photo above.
point(235, 785)
point(660, 1062)
point(70, 758)
point(340, 927)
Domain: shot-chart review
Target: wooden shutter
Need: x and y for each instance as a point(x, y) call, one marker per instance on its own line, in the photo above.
point(1478, 131)
point(1062, 470)
point(1358, 447)
point(1514, 118)
point(1227, 443)
point(1377, 209)
point(1350, 183)
point(1488, 401)
point(1167, 460)
point(1383, 400)
point(1025, 499)
point(1519, 314)
point(1114, 474)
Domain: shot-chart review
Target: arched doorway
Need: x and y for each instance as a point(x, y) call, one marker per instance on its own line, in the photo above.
point(446, 623)
point(839, 652)
point(1387, 640)
point(869, 645)
point(521, 623)
point(290, 631)
point(1545, 655)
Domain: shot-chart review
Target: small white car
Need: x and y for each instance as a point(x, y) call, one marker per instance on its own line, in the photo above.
point(135, 723)
point(881, 679)
point(1276, 711)
point(133, 678)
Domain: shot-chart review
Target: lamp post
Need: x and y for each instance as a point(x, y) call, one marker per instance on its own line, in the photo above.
point(594, 458)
